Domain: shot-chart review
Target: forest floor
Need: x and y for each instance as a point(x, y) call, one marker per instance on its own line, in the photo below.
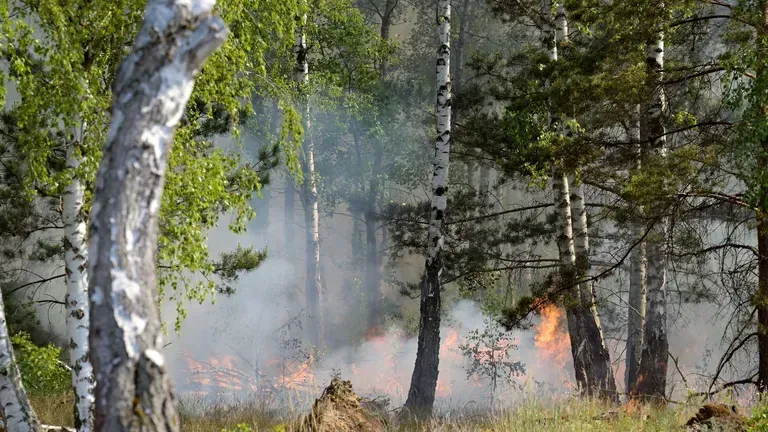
point(198, 415)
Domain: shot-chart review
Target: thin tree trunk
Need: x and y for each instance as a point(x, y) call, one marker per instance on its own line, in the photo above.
point(372, 259)
point(17, 412)
point(637, 295)
point(761, 301)
point(313, 287)
point(76, 299)
point(151, 90)
point(288, 207)
point(567, 256)
point(652, 377)
point(421, 395)
point(564, 224)
point(372, 262)
point(761, 296)
point(599, 374)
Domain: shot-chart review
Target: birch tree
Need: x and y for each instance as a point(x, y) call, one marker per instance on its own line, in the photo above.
point(17, 412)
point(421, 394)
point(652, 374)
point(76, 299)
point(313, 288)
point(152, 87)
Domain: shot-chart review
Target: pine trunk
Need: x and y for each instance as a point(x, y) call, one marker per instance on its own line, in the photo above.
point(313, 287)
point(597, 362)
point(151, 90)
point(652, 377)
point(421, 395)
point(16, 410)
point(76, 299)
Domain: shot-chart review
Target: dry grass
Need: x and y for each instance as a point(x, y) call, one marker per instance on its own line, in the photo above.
point(572, 415)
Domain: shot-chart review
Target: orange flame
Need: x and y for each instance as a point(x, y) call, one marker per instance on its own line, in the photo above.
point(221, 372)
point(551, 340)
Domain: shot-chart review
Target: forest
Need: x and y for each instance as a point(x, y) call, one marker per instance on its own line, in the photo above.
point(383, 215)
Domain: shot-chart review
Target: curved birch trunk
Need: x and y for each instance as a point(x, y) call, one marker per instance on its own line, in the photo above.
point(16, 410)
point(151, 90)
point(637, 293)
point(76, 299)
point(652, 376)
point(421, 395)
point(313, 287)
point(599, 375)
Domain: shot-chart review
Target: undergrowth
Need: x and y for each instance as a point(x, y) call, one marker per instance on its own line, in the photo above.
point(204, 415)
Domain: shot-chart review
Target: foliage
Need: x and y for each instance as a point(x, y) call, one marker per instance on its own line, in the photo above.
point(62, 61)
point(42, 371)
point(488, 355)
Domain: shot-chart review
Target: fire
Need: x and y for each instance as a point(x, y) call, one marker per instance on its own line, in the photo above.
point(551, 339)
point(220, 372)
point(300, 375)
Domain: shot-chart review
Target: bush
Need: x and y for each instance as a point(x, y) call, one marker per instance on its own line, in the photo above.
point(41, 370)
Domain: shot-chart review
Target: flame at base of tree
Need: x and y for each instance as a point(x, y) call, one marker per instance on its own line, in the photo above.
point(552, 341)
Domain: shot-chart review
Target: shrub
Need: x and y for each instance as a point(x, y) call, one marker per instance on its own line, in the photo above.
point(41, 370)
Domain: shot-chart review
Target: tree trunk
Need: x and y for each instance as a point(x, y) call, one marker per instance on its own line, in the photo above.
point(17, 412)
point(290, 204)
point(421, 395)
point(761, 297)
point(599, 374)
point(762, 300)
point(386, 26)
point(652, 377)
point(152, 87)
point(313, 287)
point(372, 262)
point(567, 256)
point(76, 299)
point(637, 295)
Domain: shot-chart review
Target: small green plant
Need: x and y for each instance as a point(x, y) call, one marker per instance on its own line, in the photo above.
point(41, 370)
point(488, 353)
point(758, 422)
point(242, 427)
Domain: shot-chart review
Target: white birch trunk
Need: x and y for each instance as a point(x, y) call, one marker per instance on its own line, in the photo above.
point(313, 290)
point(561, 21)
point(17, 412)
point(654, 359)
point(421, 395)
point(76, 299)
point(152, 86)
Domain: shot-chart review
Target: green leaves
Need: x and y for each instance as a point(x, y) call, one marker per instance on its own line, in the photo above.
point(41, 370)
point(63, 72)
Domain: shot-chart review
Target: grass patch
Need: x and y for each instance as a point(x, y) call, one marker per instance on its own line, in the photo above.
point(206, 415)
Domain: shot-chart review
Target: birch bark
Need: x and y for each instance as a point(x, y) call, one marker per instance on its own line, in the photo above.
point(152, 87)
point(17, 412)
point(76, 299)
point(601, 381)
point(421, 395)
point(652, 377)
point(313, 287)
